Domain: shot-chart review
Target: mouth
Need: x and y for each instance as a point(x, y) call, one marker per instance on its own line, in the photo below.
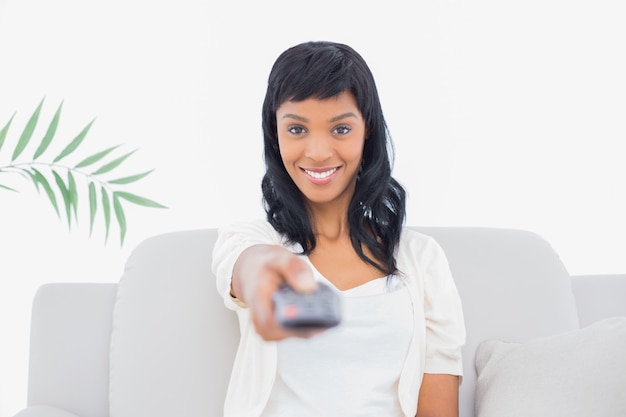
point(320, 175)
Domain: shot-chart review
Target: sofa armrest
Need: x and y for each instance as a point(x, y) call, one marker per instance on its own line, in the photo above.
point(69, 350)
point(599, 296)
point(44, 411)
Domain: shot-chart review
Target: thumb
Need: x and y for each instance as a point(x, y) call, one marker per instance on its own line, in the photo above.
point(297, 273)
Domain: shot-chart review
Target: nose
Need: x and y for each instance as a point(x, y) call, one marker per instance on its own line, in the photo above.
point(319, 148)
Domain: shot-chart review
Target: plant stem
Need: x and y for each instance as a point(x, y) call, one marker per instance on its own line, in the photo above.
point(18, 168)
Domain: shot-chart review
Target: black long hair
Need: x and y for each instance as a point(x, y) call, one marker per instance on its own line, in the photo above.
point(376, 212)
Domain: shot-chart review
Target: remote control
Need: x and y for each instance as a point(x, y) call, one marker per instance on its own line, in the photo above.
point(319, 309)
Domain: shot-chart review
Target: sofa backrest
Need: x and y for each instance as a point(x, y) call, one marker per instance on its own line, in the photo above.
point(599, 296)
point(173, 341)
point(513, 287)
point(70, 332)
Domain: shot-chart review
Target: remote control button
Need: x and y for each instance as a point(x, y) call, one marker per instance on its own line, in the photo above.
point(290, 311)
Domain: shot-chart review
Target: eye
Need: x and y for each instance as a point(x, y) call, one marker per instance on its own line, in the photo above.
point(296, 130)
point(342, 130)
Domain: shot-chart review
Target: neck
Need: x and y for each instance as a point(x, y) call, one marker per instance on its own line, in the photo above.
point(329, 222)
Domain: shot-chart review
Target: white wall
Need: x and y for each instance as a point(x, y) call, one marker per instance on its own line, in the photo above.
point(504, 114)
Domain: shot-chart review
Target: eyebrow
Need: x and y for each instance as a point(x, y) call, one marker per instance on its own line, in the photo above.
point(332, 120)
point(343, 116)
point(294, 116)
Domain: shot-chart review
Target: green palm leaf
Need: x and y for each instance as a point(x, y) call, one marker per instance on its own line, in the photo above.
point(132, 178)
point(71, 188)
point(29, 175)
point(113, 164)
point(65, 193)
point(5, 129)
point(137, 199)
point(4, 187)
point(27, 133)
point(47, 139)
point(95, 157)
point(121, 219)
point(106, 210)
point(93, 205)
point(40, 179)
point(74, 143)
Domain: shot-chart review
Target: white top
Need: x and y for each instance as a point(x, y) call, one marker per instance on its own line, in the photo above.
point(436, 309)
point(352, 370)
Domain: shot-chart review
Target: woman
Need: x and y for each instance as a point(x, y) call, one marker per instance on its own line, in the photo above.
point(336, 215)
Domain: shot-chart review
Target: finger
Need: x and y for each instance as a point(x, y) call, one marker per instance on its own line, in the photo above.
point(275, 333)
point(263, 307)
point(296, 272)
point(309, 333)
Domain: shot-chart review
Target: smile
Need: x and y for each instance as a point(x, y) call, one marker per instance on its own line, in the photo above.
point(321, 175)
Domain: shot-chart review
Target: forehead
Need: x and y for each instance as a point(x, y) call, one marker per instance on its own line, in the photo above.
point(328, 108)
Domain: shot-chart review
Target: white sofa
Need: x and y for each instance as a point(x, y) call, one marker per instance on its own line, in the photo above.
point(160, 343)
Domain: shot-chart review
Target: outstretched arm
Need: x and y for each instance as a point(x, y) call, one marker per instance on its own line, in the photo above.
point(258, 273)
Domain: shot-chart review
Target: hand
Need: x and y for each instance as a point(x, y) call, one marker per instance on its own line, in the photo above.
point(258, 273)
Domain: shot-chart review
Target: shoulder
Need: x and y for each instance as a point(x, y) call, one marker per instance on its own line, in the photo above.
point(250, 231)
point(256, 224)
point(418, 250)
point(250, 228)
point(414, 240)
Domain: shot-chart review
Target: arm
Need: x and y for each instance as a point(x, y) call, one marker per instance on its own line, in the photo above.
point(442, 331)
point(249, 263)
point(438, 396)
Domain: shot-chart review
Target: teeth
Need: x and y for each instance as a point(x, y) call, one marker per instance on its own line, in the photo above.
point(321, 175)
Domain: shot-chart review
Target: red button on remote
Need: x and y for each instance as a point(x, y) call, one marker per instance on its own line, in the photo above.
point(290, 311)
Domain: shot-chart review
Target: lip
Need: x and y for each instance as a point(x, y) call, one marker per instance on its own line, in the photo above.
point(320, 176)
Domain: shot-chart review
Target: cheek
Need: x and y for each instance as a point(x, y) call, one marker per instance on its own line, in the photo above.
point(287, 152)
point(355, 152)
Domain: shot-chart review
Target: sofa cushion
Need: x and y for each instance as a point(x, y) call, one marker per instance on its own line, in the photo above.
point(44, 411)
point(576, 373)
point(173, 342)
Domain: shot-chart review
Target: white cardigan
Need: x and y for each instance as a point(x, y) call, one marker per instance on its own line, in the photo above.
point(438, 335)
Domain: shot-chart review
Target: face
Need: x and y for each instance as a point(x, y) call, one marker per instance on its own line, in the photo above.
point(321, 145)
